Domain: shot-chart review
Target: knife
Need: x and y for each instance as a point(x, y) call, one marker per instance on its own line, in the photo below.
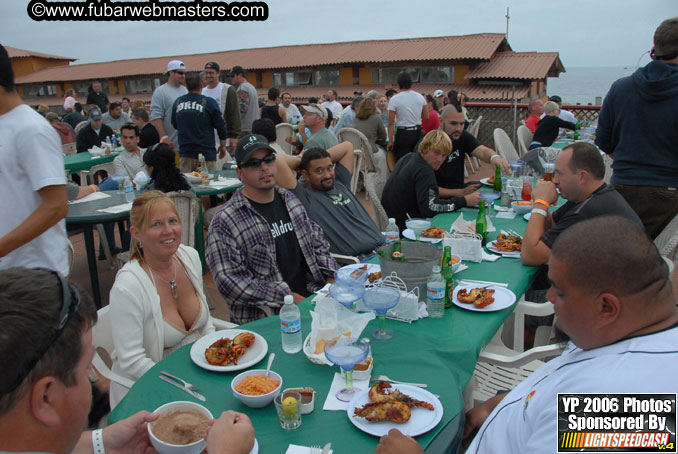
point(191, 392)
point(326, 449)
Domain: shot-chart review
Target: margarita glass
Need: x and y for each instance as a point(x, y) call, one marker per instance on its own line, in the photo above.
point(346, 352)
point(347, 292)
point(381, 299)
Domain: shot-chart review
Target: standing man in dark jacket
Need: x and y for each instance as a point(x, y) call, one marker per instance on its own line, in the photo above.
point(196, 117)
point(98, 97)
point(94, 133)
point(638, 127)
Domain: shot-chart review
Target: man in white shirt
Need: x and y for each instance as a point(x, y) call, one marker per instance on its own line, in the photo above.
point(293, 114)
point(33, 189)
point(130, 161)
point(227, 100)
point(163, 101)
point(332, 103)
point(407, 108)
point(622, 328)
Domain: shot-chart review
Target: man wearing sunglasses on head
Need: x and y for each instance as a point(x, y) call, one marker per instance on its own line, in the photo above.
point(163, 99)
point(45, 396)
point(262, 246)
point(450, 175)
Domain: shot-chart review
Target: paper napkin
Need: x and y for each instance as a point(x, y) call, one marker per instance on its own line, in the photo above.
point(90, 197)
point(339, 383)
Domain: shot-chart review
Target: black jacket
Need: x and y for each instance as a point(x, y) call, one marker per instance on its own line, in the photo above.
point(87, 138)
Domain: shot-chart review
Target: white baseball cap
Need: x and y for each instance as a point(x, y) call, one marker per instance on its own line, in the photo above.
point(175, 65)
point(438, 94)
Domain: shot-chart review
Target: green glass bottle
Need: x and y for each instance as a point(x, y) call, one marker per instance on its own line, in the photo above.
point(481, 221)
point(448, 275)
point(497, 179)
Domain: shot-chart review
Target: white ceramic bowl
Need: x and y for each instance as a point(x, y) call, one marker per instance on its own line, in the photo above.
point(168, 448)
point(456, 266)
point(522, 207)
point(417, 225)
point(256, 401)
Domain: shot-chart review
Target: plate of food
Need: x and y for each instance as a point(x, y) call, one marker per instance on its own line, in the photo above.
point(430, 235)
point(488, 181)
point(373, 270)
point(194, 177)
point(506, 245)
point(411, 410)
point(483, 299)
point(229, 350)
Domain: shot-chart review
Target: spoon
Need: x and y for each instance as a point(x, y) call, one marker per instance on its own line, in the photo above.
point(271, 357)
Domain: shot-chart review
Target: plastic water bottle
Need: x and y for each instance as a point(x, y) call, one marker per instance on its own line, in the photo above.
point(435, 294)
point(392, 233)
point(290, 326)
point(128, 189)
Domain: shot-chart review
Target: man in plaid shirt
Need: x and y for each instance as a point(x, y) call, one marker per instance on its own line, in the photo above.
point(262, 245)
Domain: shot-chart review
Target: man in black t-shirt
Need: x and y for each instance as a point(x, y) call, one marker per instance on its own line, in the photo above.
point(98, 97)
point(148, 135)
point(579, 173)
point(450, 175)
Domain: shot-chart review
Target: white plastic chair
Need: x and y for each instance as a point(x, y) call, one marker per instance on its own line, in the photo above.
point(473, 128)
point(374, 188)
point(87, 177)
point(607, 160)
point(667, 242)
point(359, 142)
point(70, 251)
point(357, 164)
point(503, 145)
point(79, 126)
point(188, 207)
point(524, 139)
point(283, 131)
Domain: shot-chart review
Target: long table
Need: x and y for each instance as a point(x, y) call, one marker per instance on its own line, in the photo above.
point(77, 162)
point(439, 352)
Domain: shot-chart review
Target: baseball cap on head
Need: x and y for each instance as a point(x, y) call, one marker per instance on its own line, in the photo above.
point(248, 145)
point(316, 109)
point(212, 65)
point(237, 70)
point(438, 94)
point(555, 98)
point(176, 65)
point(95, 114)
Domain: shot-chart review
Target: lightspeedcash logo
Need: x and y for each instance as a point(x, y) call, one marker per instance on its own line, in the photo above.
point(150, 10)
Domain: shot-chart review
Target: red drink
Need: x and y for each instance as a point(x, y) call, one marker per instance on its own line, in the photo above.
point(526, 193)
point(548, 176)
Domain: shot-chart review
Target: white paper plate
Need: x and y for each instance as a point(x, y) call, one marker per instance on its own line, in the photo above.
point(422, 419)
point(492, 246)
point(255, 448)
point(527, 216)
point(371, 267)
point(252, 356)
point(486, 182)
point(503, 298)
point(409, 234)
point(194, 179)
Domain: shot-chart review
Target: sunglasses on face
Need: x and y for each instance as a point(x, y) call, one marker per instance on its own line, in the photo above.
point(256, 163)
point(181, 72)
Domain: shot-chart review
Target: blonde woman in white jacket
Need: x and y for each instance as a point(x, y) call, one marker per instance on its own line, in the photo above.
point(157, 301)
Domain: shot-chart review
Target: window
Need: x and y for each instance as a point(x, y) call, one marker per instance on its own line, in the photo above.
point(390, 75)
point(437, 74)
point(139, 86)
point(326, 77)
point(292, 79)
point(38, 90)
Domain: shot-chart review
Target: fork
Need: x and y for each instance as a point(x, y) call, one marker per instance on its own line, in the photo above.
point(385, 378)
point(315, 449)
point(187, 385)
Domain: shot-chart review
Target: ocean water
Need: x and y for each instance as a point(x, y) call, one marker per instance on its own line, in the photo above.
point(581, 85)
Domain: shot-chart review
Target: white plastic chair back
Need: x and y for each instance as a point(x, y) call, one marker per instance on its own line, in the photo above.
point(359, 142)
point(524, 139)
point(474, 126)
point(70, 251)
point(667, 241)
point(357, 164)
point(79, 126)
point(102, 339)
point(87, 177)
point(374, 188)
point(188, 207)
point(503, 145)
point(607, 160)
point(283, 131)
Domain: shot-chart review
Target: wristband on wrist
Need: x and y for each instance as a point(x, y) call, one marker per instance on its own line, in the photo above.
point(543, 202)
point(163, 138)
point(98, 442)
point(539, 211)
point(93, 187)
point(493, 156)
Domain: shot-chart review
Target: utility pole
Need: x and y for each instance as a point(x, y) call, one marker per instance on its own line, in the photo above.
point(507, 21)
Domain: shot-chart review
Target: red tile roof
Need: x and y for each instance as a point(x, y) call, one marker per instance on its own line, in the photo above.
point(519, 65)
point(479, 47)
point(13, 52)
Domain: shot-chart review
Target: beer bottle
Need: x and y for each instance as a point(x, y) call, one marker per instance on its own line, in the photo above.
point(497, 179)
point(481, 221)
point(448, 275)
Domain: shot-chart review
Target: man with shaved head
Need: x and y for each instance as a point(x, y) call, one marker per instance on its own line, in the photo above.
point(613, 299)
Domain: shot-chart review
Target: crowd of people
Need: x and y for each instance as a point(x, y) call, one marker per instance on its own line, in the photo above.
point(276, 234)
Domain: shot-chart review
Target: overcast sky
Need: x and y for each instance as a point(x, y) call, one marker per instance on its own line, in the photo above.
point(584, 32)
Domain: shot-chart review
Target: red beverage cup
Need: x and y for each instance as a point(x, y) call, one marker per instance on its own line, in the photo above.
point(526, 193)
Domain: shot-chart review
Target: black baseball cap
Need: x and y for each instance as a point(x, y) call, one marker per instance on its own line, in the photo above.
point(248, 145)
point(212, 65)
point(555, 98)
point(237, 70)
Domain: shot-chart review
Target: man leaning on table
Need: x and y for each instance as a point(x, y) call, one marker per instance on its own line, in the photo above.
point(450, 174)
point(45, 396)
point(261, 245)
point(579, 172)
point(33, 190)
point(622, 328)
point(93, 133)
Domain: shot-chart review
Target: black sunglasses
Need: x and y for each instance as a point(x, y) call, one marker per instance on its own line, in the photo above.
point(70, 304)
point(180, 72)
point(256, 163)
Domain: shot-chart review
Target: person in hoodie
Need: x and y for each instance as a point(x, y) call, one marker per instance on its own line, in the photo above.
point(638, 127)
point(196, 117)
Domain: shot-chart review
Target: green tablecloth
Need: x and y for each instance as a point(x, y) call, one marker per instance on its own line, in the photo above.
point(77, 162)
point(440, 352)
